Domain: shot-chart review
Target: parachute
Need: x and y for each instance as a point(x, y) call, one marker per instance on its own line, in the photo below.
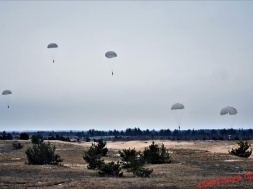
point(7, 95)
point(52, 47)
point(111, 55)
point(228, 110)
point(178, 112)
point(229, 114)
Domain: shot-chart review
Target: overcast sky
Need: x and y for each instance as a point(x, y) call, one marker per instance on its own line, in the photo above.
point(198, 53)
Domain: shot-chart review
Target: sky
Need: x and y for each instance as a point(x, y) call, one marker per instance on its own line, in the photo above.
point(198, 53)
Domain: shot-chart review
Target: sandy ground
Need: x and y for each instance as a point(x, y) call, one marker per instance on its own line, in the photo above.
point(210, 145)
point(192, 162)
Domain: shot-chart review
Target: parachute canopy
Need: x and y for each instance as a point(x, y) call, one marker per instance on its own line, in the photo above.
point(110, 54)
point(228, 110)
point(6, 92)
point(177, 106)
point(52, 45)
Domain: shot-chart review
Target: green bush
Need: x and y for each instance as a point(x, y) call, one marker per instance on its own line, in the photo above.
point(243, 149)
point(100, 147)
point(111, 168)
point(17, 145)
point(134, 162)
point(128, 157)
point(41, 154)
point(142, 172)
point(92, 158)
point(156, 155)
point(24, 136)
point(94, 154)
point(36, 139)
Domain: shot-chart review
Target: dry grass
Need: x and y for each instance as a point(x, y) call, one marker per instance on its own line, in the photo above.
point(191, 163)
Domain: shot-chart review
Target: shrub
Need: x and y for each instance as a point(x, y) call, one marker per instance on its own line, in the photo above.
point(24, 136)
point(100, 147)
point(87, 139)
point(17, 145)
point(94, 154)
point(36, 139)
point(134, 162)
point(110, 168)
point(142, 172)
point(155, 154)
point(243, 149)
point(128, 156)
point(41, 154)
point(92, 158)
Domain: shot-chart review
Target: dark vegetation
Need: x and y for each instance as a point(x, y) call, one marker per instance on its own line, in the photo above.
point(24, 136)
point(111, 168)
point(131, 160)
point(243, 149)
point(6, 136)
point(94, 154)
point(17, 145)
point(137, 134)
point(134, 162)
point(57, 137)
point(42, 153)
point(36, 139)
point(156, 155)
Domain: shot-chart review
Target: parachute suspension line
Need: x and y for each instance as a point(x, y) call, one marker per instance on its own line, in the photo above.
point(111, 63)
point(52, 47)
point(111, 55)
point(7, 95)
point(178, 110)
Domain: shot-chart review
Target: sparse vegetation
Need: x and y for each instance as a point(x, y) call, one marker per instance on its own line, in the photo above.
point(191, 164)
point(243, 149)
point(17, 145)
point(142, 172)
point(41, 154)
point(57, 137)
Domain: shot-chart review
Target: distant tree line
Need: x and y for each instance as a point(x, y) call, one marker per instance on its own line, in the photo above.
point(202, 134)
point(137, 134)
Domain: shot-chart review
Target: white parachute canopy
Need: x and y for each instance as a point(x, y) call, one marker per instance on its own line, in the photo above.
point(228, 113)
point(111, 55)
point(7, 96)
point(178, 112)
point(228, 110)
point(52, 47)
point(6, 92)
point(177, 106)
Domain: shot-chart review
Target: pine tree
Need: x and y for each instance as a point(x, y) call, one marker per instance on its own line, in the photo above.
point(41, 154)
point(110, 168)
point(155, 154)
point(243, 149)
point(94, 154)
